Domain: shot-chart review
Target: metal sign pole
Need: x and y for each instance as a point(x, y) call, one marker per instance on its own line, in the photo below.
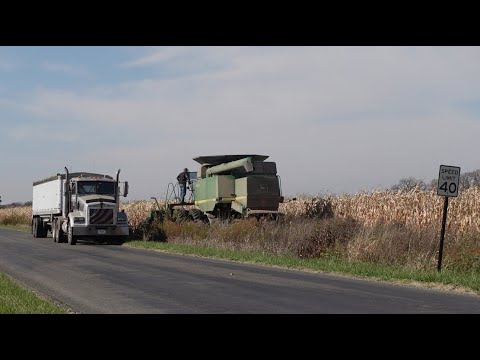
point(442, 234)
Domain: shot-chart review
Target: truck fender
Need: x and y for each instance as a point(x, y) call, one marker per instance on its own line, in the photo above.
point(74, 214)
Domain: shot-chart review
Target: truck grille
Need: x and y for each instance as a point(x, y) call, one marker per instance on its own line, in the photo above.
point(101, 216)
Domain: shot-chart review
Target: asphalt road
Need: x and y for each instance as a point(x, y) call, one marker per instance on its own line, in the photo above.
point(91, 278)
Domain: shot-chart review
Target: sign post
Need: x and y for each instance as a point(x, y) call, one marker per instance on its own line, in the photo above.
point(448, 180)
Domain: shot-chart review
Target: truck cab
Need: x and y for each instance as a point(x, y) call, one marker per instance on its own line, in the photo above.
point(95, 211)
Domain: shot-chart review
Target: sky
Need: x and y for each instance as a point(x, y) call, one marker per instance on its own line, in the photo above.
point(334, 119)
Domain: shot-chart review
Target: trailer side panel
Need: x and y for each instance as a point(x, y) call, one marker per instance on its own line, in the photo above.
point(48, 198)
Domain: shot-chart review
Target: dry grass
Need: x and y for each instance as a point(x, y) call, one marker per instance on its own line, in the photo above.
point(394, 244)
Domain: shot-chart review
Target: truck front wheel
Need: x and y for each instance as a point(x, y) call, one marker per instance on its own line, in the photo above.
point(72, 240)
point(57, 231)
point(54, 230)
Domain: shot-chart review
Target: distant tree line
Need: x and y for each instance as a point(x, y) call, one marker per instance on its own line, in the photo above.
point(15, 204)
point(467, 180)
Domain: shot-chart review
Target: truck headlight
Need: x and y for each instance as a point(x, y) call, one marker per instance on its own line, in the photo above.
point(121, 219)
point(79, 220)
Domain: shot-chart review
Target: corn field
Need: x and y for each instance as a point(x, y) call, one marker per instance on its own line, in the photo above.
point(16, 215)
point(416, 209)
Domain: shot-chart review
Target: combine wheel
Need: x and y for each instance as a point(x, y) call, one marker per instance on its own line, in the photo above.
point(181, 215)
point(198, 215)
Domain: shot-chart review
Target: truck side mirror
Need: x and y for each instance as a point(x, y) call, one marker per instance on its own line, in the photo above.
point(125, 189)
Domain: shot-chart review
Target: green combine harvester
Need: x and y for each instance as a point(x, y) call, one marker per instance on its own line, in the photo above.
point(237, 186)
point(226, 187)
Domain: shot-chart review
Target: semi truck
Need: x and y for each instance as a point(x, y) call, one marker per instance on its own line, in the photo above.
point(80, 205)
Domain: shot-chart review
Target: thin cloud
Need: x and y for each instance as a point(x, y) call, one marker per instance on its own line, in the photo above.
point(63, 68)
point(47, 133)
point(6, 65)
point(181, 61)
point(308, 84)
point(158, 57)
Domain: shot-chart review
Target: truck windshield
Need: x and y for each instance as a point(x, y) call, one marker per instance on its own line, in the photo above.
point(95, 187)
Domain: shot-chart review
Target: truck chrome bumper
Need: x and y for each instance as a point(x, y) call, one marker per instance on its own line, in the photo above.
point(97, 230)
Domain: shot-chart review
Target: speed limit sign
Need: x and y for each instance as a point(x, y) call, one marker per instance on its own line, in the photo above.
point(448, 179)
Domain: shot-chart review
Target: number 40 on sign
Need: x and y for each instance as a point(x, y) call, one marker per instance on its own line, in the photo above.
point(448, 179)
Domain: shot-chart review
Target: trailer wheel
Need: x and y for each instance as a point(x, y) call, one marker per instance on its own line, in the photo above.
point(44, 229)
point(37, 228)
point(72, 240)
point(34, 227)
point(56, 231)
